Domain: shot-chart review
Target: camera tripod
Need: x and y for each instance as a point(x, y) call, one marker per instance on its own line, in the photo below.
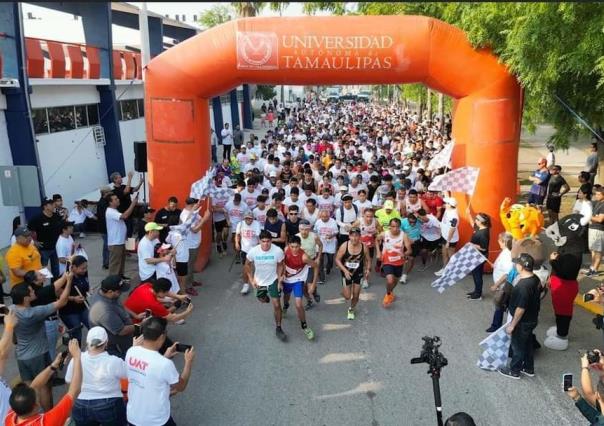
point(436, 362)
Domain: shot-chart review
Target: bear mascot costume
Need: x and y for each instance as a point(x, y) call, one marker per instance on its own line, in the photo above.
point(567, 234)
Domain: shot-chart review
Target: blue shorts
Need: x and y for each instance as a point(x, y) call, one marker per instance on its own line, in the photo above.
point(295, 287)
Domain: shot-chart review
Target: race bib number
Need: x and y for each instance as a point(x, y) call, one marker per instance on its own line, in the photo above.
point(394, 258)
point(273, 234)
point(352, 265)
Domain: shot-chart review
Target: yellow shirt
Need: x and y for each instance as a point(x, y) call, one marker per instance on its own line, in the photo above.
point(326, 161)
point(384, 218)
point(19, 257)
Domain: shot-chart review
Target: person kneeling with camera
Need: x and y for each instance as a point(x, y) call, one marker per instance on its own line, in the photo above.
point(153, 378)
point(147, 298)
point(590, 404)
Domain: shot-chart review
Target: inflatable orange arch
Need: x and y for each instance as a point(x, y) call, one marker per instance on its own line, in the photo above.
point(328, 50)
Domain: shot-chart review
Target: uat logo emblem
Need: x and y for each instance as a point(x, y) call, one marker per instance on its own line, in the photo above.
point(257, 50)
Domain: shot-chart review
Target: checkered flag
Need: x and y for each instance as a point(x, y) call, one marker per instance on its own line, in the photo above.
point(220, 193)
point(443, 158)
point(495, 349)
point(460, 265)
point(184, 228)
point(459, 180)
point(200, 189)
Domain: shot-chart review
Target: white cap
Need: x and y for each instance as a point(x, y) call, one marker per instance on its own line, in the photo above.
point(96, 336)
point(451, 201)
point(272, 174)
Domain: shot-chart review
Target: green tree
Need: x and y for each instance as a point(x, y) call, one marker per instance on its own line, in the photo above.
point(218, 14)
point(247, 9)
point(266, 92)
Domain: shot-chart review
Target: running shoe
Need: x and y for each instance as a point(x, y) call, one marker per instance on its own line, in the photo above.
point(350, 314)
point(180, 322)
point(191, 291)
point(440, 272)
point(388, 299)
point(475, 297)
point(591, 273)
point(423, 267)
point(317, 296)
point(309, 333)
point(505, 371)
point(403, 279)
point(364, 283)
point(245, 289)
point(309, 305)
point(321, 282)
point(280, 334)
point(529, 373)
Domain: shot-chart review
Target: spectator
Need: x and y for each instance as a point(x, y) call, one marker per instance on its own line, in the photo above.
point(556, 188)
point(524, 306)
point(591, 162)
point(449, 232)
point(24, 408)
point(237, 137)
point(57, 201)
point(47, 226)
point(65, 246)
point(163, 216)
point(227, 142)
point(78, 216)
point(101, 209)
point(192, 241)
point(596, 232)
point(32, 344)
point(75, 313)
point(150, 295)
point(540, 179)
point(116, 233)
point(6, 344)
point(146, 252)
point(23, 256)
point(591, 402)
point(460, 419)
point(124, 193)
point(140, 224)
point(106, 311)
point(214, 145)
point(101, 401)
point(480, 239)
point(153, 378)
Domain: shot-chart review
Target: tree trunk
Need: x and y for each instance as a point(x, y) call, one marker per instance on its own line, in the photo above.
point(441, 112)
point(429, 103)
point(421, 106)
point(283, 94)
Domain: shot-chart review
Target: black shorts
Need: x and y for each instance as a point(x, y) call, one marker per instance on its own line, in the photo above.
point(397, 271)
point(553, 204)
point(30, 368)
point(416, 247)
point(431, 245)
point(220, 225)
point(452, 245)
point(356, 278)
point(182, 269)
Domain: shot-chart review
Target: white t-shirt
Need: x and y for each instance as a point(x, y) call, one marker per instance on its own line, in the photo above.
point(227, 136)
point(289, 202)
point(193, 239)
point(362, 205)
point(502, 265)
point(235, 213)
point(260, 215)
point(64, 248)
point(150, 376)
point(164, 270)
point(249, 198)
point(78, 217)
point(311, 217)
point(249, 234)
point(146, 250)
point(182, 251)
point(101, 376)
point(327, 232)
point(450, 219)
point(116, 227)
point(430, 230)
point(325, 203)
point(265, 264)
point(350, 215)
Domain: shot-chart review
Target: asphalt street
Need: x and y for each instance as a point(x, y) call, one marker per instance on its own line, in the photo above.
point(357, 372)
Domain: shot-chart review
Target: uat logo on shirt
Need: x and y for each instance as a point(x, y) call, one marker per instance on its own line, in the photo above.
point(257, 50)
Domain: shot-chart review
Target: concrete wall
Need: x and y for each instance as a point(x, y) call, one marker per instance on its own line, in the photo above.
point(131, 131)
point(6, 213)
point(54, 96)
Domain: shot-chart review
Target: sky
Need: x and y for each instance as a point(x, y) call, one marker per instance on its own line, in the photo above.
point(46, 21)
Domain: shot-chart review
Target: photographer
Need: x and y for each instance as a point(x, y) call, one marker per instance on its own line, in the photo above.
point(6, 343)
point(153, 377)
point(147, 296)
point(24, 407)
point(101, 400)
point(591, 402)
point(106, 311)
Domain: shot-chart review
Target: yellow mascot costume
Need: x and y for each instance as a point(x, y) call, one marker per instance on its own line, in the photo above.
point(521, 221)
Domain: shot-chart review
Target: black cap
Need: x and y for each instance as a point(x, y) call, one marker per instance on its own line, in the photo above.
point(114, 282)
point(525, 260)
point(191, 200)
point(346, 197)
point(22, 231)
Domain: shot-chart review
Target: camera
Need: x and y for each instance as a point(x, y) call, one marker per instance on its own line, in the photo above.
point(430, 354)
point(137, 330)
point(182, 347)
point(593, 357)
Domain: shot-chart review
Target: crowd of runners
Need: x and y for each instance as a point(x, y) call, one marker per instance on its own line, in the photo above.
point(332, 185)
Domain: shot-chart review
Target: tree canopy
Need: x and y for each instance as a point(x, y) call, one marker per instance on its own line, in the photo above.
point(555, 50)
